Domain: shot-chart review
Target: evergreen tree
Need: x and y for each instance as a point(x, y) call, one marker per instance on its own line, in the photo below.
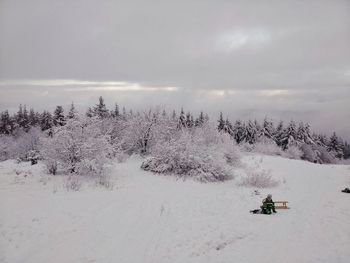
point(46, 121)
point(251, 133)
point(6, 123)
point(228, 128)
point(33, 118)
point(200, 120)
point(90, 113)
point(25, 120)
point(346, 150)
point(115, 112)
point(173, 116)
point(335, 145)
point(182, 120)
point(239, 131)
point(221, 122)
point(289, 136)
point(100, 110)
point(164, 113)
point(279, 133)
point(19, 117)
point(58, 117)
point(268, 130)
point(72, 113)
point(189, 120)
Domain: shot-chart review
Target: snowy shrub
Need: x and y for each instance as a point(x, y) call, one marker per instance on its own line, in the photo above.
point(6, 147)
point(141, 132)
point(23, 147)
point(293, 152)
point(308, 153)
point(259, 179)
point(73, 183)
point(203, 154)
point(104, 181)
point(324, 156)
point(78, 147)
point(266, 146)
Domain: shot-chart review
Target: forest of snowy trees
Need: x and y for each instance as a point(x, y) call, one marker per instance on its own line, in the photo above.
point(179, 143)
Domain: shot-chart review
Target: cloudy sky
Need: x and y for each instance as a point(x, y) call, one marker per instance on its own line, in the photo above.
point(285, 59)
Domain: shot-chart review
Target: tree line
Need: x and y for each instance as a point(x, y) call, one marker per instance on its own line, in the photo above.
point(250, 132)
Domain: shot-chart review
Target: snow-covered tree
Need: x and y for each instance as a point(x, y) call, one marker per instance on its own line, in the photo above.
point(289, 136)
point(6, 123)
point(251, 132)
point(335, 146)
point(202, 153)
point(58, 117)
point(239, 131)
point(46, 121)
point(268, 129)
point(33, 118)
point(78, 147)
point(72, 113)
point(221, 122)
point(182, 120)
point(100, 110)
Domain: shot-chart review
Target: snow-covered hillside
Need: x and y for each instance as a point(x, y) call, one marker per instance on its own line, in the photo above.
point(150, 218)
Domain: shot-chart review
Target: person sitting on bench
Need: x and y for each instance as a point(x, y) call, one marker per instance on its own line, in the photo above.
point(268, 205)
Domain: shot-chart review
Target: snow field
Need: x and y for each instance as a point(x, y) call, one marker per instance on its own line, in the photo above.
point(152, 218)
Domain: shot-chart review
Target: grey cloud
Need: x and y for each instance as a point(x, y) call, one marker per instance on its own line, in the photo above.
point(244, 46)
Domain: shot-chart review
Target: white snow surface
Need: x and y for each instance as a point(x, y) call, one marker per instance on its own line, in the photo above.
point(153, 218)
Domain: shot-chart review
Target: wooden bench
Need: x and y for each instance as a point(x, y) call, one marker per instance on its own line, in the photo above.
point(281, 205)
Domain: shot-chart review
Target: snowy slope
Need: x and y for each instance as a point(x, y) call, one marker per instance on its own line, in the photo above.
point(150, 218)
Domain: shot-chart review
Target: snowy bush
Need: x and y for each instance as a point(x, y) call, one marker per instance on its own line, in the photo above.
point(73, 183)
point(266, 146)
point(78, 147)
point(259, 179)
point(140, 132)
point(24, 146)
point(6, 147)
point(203, 154)
point(308, 153)
point(293, 152)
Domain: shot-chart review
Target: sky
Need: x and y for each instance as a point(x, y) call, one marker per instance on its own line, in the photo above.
point(249, 59)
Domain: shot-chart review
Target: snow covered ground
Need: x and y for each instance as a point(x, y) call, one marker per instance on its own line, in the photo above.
point(150, 218)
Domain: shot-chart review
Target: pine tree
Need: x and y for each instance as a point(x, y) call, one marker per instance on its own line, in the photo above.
point(46, 121)
point(278, 135)
point(90, 113)
point(289, 136)
point(335, 145)
point(346, 150)
point(221, 122)
point(189, 120)
point(19, 117)
point(268, 130)
point(6, 123)
point(100, 110)
point(164, 113)
point(228, 128)
point(58, 117)
point(72, 113)
point(173, 116)
point(115, 113)
point(33, 118)
point(239, 131)
point(182, 120)
point(200, 120)
point(251, 133)
point(25, 120)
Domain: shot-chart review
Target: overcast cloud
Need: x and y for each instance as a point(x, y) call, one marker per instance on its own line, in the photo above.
point(285, 59)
